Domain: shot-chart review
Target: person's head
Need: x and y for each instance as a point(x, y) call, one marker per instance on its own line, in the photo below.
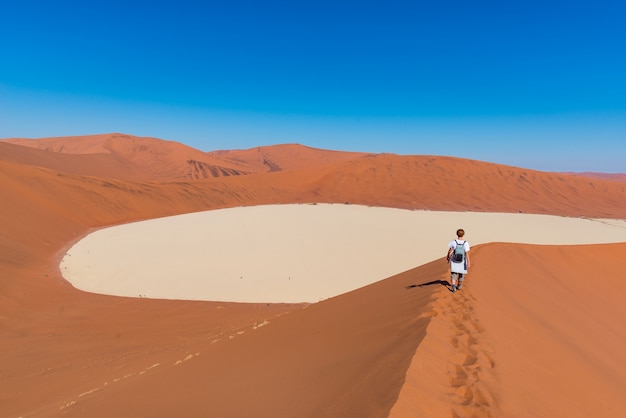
point(460, 233)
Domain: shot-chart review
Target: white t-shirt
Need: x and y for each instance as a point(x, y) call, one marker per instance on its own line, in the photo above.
point(459, 267)
point(454, 243)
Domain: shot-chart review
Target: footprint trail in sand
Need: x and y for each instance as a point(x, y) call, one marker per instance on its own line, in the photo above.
point(471, 365)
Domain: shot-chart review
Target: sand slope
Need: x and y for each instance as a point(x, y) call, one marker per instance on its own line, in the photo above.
point(70, 353)
point(141, 158)
point(541, 340)
point(285, 157)
point(130, 157)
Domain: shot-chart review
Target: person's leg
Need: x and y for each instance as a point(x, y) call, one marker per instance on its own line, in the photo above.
point(461, 278)
point(453, 279)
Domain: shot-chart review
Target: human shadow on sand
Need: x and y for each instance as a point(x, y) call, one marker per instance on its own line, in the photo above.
point(431, 283)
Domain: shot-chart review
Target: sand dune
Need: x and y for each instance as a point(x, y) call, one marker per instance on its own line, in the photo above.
point(404, 345)
point(607, 176)
point(285, 157)
point(542, 339)
point(128, 158)
point(409, 182)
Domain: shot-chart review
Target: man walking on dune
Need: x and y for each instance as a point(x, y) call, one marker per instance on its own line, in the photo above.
point(458, 257)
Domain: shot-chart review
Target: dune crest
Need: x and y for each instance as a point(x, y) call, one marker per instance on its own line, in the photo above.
point(409, 182)
point(285, 157)
point(543, 339)
point(154, 159)
point(134, 158)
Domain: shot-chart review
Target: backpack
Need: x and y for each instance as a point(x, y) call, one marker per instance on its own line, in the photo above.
point(458, 255)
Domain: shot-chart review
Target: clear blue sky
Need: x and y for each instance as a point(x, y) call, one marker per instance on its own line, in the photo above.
point(536, 84)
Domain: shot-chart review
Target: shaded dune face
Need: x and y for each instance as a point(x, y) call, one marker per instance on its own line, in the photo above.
point(345, 356)
point(75, 354)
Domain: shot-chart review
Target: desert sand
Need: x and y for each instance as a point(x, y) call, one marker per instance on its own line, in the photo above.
point(295, 253)
point(541, 340)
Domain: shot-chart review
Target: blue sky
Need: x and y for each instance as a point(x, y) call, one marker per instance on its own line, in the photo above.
point(533, 84)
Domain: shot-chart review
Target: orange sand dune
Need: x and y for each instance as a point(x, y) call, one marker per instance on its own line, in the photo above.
point(132, 158)
point(605, 176)
point(96, 165)
point(544, 338)
point(82, 145)
point(285, 157)
point(343, 357)
point(417, 182)
point(446, 183)
point(140, 158)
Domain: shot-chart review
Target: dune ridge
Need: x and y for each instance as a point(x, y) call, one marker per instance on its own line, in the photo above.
point(285, 157)
point(68, 353)
point(132, 158)
point(410, 182)
point(142, 158)
point(553, 350)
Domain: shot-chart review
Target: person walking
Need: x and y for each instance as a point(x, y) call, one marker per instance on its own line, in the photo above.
point(458, 257)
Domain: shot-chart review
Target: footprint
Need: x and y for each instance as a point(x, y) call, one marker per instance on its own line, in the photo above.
point(455, 342)
point(460, 377)
point(468, 397)
point(490, 360)
point(470, 360)
point(476, 325)
point(482, 397)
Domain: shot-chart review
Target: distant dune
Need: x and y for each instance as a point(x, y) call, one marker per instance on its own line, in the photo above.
point(606, 176)
point(129, 158)
point(139, 158)
point(542, 339)
point(285, 157)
